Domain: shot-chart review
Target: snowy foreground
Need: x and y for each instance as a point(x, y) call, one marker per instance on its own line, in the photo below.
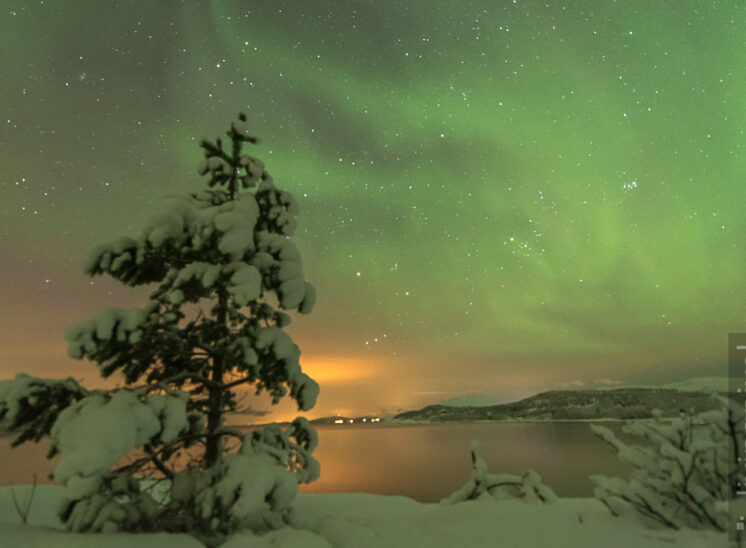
point(362, 521)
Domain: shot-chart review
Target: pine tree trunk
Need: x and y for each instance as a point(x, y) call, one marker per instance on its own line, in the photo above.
point(215, 401)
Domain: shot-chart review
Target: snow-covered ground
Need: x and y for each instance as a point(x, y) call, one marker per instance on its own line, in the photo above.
point(367, 521)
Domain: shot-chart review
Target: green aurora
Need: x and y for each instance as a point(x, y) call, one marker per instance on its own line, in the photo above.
point(497, 197)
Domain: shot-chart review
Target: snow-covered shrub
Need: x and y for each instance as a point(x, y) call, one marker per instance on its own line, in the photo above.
point(246, 490)
point(107, 503)
point(250, 489)
point(482, 484)
point(292, 448)
point(685, 470)
point(223, 270)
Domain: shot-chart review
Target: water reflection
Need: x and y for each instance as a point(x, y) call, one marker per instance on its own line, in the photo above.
point(424, 462)
point(429, 462)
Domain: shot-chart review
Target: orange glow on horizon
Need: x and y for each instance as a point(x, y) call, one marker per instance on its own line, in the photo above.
point(332, 369)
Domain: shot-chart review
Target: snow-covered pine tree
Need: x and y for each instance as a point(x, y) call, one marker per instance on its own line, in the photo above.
point(224, 269)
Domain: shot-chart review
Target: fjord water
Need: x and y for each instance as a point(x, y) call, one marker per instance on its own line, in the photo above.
point(423, 461)
point(429, 462)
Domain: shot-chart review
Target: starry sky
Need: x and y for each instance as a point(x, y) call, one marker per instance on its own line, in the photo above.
point(497, 197)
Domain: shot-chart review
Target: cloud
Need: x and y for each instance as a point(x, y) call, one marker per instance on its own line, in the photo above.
point(577, 383)
point(607, 382)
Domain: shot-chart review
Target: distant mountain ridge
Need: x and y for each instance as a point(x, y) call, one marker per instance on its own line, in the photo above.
point(701, 384)
point(469, 400)
point(618, 403)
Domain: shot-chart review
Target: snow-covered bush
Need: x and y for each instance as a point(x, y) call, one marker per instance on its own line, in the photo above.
point(252, 488)
point(223, 270)
point(685, 470)
point(482, 484)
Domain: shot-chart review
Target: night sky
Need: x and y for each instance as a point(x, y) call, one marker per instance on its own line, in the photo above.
point(497, 197)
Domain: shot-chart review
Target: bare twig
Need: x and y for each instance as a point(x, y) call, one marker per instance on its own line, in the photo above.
point(236, 383)
point(24, 512)
point(159, 463)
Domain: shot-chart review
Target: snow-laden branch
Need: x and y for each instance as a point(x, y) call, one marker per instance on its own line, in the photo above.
point(30, 405)
point(482, 484)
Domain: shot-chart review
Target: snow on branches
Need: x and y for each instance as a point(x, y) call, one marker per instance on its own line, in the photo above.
point(484, 485)
point(254, 487)
point(685, 468)
point(30, 406)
